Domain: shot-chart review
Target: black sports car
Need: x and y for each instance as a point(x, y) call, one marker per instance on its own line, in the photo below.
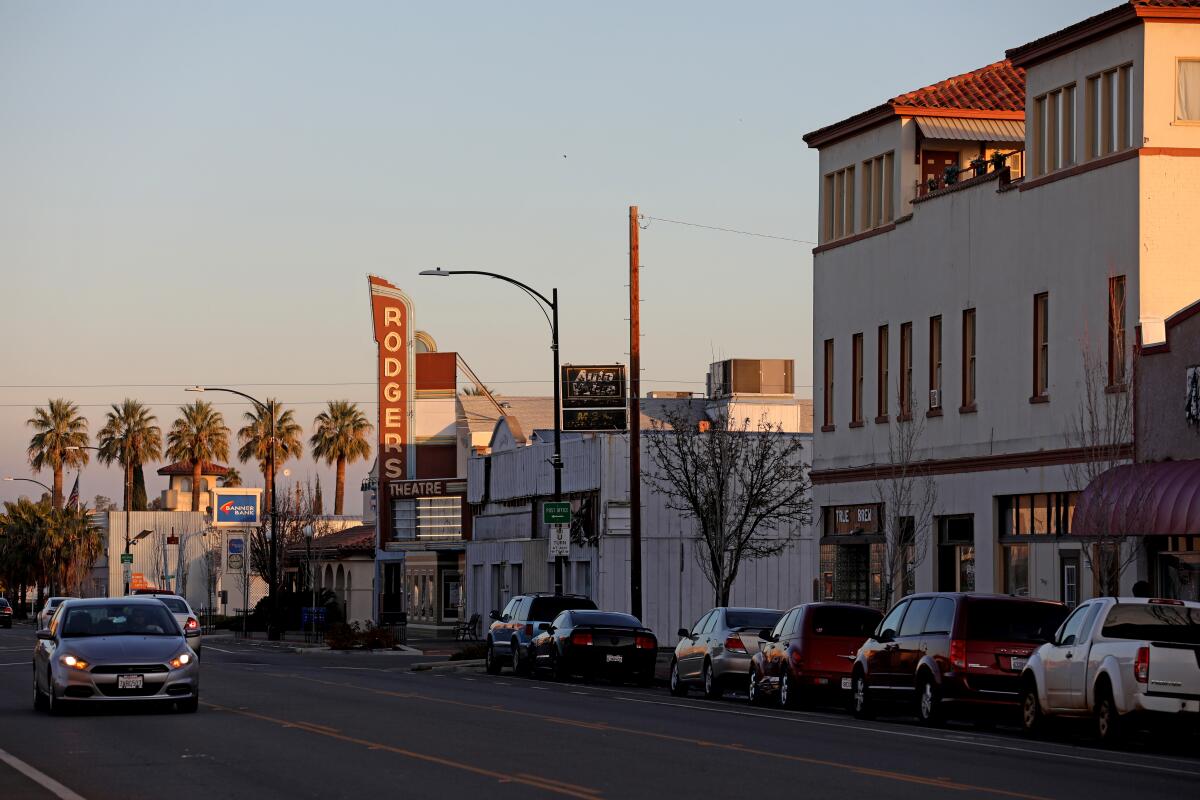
point(596, 644)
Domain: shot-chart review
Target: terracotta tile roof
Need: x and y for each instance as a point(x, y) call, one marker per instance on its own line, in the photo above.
point(996, 87)
point(359, 539)
point(184, 468)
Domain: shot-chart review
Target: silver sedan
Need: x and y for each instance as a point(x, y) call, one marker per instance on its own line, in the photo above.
point(114, 650)
point(716, 652)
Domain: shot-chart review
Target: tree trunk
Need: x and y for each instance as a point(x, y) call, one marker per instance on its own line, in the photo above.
point(128, 488)
point(268, 480)
point(195, 486)
point(56, 495)
point(340, 487)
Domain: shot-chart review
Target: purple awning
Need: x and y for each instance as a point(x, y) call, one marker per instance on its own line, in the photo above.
point(1162, 498)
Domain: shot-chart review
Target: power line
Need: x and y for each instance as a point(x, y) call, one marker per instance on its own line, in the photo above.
point(331, 383)
point(726, 230)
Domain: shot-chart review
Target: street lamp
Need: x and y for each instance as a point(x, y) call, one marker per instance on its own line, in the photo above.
point(272, 633)
point(312, 583)
point(552, 318)
point(31, 480)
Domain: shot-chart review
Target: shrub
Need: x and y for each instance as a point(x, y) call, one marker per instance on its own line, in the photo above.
point(342, 636)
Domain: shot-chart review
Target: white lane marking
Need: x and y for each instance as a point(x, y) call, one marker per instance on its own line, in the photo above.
point(38, 777)
point(219, 650)
point(14, 663)
point(909, 735)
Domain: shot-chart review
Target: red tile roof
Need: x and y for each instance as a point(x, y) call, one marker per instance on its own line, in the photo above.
point(184, 468)
point(998, 88)
point(359, 539)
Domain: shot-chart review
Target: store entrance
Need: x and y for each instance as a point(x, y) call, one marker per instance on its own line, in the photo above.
point(853, 571)
point(956, 553)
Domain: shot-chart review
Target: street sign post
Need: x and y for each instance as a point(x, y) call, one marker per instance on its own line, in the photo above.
point(127, 570)
point(555, 513)
point(560, 541)
point(236, 562)
point(126, 558)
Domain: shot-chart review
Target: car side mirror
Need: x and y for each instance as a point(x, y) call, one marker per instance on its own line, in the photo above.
point(766, 635)
point(45, 633)
point(885, 636)
point(685, 633)
point(495, 615)
point(545, 626)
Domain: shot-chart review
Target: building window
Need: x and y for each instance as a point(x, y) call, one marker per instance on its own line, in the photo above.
point(1041, 344)
point(1054, 130)
point(881, 377)
point(935, 363)
point(876, 192)
point(839, 204)
point(427, 519)
point(1036, 514)
point(1188, 83)
point(1116, 331)
point(968, 358)
point(1109, 115)
point(828, 418)
point(906, 369)
point(856, 387)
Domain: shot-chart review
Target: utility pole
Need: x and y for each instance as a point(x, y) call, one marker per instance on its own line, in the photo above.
point(635, 421)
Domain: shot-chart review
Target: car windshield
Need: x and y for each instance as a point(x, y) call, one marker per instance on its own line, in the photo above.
point(1153, 622)
point(833, 621)
point(176, 605)
point(545, 609)
point(119, 619)
point(1013, 620)
point(751, 618)
point(606, 618)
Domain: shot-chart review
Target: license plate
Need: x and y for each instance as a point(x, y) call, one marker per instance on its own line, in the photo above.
point(1019, 663)
point(129, 681)
point(614, 659)
point(846, 683)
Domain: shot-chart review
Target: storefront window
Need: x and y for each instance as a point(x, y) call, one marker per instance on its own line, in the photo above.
point(1036, 514)
point(427, 519)
point(1016, 569)
point(966, 568)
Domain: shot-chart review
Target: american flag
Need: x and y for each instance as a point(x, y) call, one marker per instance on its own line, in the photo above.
point(73, 500)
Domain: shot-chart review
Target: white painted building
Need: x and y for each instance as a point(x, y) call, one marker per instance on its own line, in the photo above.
point(982, 293)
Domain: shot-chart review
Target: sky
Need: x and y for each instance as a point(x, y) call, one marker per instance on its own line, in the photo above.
point(195, 192)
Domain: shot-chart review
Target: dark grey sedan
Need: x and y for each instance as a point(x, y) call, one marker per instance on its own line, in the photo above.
point(716, 652)
point(114, 650)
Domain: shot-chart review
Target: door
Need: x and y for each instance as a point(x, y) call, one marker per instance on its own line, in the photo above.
point(910, 641)
point(1065, 662)
point(770, 649)
point(781, 648)
point(879, 654)
point(689, 659)
point(1068, 578)
point(933, 165)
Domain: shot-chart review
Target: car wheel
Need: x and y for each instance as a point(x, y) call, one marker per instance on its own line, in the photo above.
point(1108, 719)
point(787, 695)
point(1033, 721)
point(40, 701)
point(191, 705)
point(860, 702)
point(55, 706)
point(520, 665)
point(490, 662)
point(678, 687)
point(752, 690)
point(929, 707)
point(561, 673)
point(711, 690)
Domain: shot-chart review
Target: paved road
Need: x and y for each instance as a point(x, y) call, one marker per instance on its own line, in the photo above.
point(287, 725)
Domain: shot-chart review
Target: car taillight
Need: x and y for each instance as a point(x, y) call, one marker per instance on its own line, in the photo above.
point(192, 624)
point(958, 654)
point(1141, 666)
point(734, 644)
point(645, 642)
point(1162, 601)
point(529, 629)
point(580, 638)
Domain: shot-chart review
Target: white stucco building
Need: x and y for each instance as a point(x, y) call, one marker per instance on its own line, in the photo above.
point(976, 296)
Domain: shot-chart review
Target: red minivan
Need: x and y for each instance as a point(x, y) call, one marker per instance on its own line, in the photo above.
point(934, 651)
point(810, 653)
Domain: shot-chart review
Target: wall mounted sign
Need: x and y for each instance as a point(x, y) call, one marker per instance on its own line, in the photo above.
point(594, 398)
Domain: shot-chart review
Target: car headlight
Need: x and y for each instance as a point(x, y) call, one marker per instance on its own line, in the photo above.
point(181, 660)
point(72, 661)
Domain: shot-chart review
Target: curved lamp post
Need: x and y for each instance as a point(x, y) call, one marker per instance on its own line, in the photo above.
point(272, 632)
point(30, 480)
point(544, 303)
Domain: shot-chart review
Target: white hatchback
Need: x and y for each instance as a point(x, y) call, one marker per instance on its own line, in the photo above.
point(188, 620)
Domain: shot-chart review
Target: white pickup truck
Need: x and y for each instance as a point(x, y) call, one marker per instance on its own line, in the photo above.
point(1114, 658)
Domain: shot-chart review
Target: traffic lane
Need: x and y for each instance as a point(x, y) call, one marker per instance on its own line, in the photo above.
point(743, 740)
point(124, 751)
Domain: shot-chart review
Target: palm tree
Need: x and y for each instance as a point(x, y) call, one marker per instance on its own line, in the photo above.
point(231, 479)
point(77, 542)
point(130, 438)
point(255, 439)
point(60, 434)
point(199, 435)
point(477, 391)
point(341, 438)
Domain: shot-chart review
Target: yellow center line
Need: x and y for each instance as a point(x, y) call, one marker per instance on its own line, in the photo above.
point(939, 783)
point(555, 787)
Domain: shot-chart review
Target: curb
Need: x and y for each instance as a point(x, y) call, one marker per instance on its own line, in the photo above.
point(430, 666)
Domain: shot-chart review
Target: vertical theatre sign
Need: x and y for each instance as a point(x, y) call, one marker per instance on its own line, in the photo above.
point(392, 315)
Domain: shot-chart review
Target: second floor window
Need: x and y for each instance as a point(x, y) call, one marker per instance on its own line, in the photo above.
point(828, 405)
point(1054, 130)
point(906, 369)
point(856, 386)
point(1041, 344)
point(1116, 331)
point(968, 351)
point(838, 209)
point(881, 379)
point(876, 192)
point(1188, 85)
point(1109, 111)
point(935, 362)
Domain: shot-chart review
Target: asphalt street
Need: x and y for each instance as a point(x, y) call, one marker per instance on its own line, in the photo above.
point(279, 724)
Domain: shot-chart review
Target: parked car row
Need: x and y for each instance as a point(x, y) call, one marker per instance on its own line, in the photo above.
point(938, 655)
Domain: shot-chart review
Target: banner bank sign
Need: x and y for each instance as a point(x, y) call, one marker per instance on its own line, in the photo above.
point(237, 508)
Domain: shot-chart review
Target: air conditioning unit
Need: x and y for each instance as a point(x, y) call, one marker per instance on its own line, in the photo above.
point(935, 398)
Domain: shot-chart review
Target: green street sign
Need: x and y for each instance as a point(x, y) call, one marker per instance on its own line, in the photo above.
point(556, 513)
point(126, 558)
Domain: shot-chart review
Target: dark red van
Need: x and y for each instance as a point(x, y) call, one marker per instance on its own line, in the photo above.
point(936, 650)
point(810, 652)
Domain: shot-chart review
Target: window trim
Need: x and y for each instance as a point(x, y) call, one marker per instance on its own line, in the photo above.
point(969, 376)
point(1041, 348)
point(1179, 60)
point(935, 365)
point(906, 365)
point(881, 374)
point(827, 401)
point(1117, 332)
point(856, 380)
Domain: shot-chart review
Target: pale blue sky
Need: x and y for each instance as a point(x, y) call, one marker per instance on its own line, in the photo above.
point(194, 192)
